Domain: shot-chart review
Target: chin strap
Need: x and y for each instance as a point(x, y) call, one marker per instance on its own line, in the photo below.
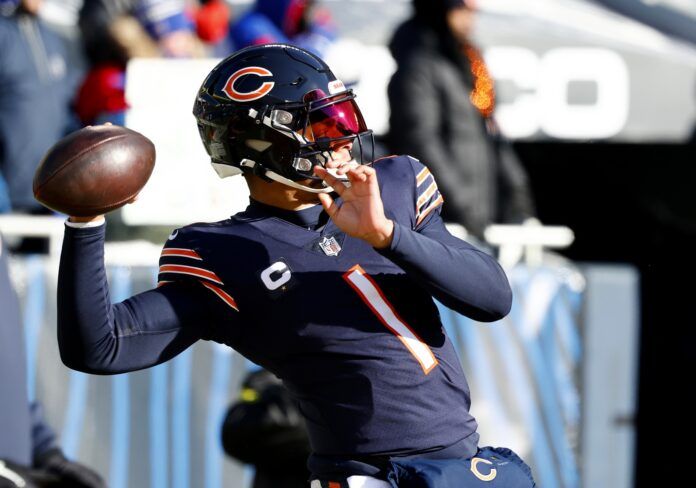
point(327, 189)
point(288, 182)
point(272, 175)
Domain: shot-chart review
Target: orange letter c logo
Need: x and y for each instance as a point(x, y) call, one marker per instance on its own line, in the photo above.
point(238, 96)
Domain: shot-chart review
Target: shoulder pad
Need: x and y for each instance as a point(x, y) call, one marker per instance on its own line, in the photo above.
point(428, 196)
point(182, 257)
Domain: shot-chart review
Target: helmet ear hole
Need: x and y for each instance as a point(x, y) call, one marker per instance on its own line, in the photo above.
point(257, 144)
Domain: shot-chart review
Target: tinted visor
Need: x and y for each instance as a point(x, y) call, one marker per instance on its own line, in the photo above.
point(335, 117)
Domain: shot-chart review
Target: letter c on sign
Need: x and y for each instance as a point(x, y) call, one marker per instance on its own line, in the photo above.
point(276, 268)
point(238, 96)
point(483, 477)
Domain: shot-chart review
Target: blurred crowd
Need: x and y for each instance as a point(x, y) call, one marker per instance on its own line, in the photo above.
point(441, 96)
point(43, 96)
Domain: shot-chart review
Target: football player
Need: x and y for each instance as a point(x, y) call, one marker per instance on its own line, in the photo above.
point(327, 279)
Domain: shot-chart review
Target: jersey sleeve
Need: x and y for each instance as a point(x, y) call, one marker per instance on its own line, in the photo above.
point(461, 277)
point(428, 199)
point(182, 261)
point(101, 337)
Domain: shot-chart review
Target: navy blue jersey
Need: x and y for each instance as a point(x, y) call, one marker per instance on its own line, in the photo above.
point(352, 331)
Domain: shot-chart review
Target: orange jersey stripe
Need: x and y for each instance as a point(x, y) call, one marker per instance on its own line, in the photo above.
point(221, 293)
point(422, 176)
point(429, 209)
point(190, 270)
point(182, 253)
point(425, 196)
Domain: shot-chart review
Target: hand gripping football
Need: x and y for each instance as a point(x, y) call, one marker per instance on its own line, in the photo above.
point(94, 170)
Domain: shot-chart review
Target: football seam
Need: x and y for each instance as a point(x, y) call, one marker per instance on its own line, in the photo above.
point(72, 160)
point(97, 207)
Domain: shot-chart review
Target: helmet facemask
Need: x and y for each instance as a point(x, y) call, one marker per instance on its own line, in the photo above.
point(311, 132)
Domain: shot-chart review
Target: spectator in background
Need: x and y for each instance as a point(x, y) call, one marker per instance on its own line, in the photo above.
point(113, 32)
point(265, 429)
point(35, 94)
point(29, 455)
point(296, 22)
point(442, 99)
point(212, 21)
point(167, 22)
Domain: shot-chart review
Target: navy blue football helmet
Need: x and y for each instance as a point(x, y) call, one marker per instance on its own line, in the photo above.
point(277, 111)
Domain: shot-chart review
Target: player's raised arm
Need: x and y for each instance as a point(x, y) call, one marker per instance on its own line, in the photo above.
point(462, 277)
point(86, 174)
point(96, 336)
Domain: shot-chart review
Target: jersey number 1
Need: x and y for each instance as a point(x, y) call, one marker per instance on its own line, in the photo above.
point(372, 295)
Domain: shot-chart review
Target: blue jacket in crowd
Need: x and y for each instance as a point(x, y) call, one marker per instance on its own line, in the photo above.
point(35, 94)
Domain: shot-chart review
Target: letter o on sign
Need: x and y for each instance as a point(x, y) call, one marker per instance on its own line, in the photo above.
point(542, 86)
point(603, 118)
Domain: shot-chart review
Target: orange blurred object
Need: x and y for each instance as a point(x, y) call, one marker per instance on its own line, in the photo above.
point(483, 94)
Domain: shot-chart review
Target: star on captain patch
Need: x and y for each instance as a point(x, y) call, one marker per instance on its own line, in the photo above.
point(330, 246)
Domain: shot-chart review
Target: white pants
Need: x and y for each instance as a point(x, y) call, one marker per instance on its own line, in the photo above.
point(359, 482)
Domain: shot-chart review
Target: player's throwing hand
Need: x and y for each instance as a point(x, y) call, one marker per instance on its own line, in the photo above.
point(361, 214)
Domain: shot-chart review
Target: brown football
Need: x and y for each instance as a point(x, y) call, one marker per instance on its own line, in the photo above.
point(94, 170)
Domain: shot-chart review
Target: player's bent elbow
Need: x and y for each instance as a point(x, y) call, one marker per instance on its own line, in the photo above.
point(495, 315)
point(504, 302)
point(88, 367)
point(74, 362)
point(496, 306)
point(82, 363)
point(500, 304)
point(500, 295)
point(79, 358)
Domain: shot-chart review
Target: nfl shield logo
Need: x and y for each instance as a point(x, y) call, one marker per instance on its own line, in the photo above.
point(330, 246)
